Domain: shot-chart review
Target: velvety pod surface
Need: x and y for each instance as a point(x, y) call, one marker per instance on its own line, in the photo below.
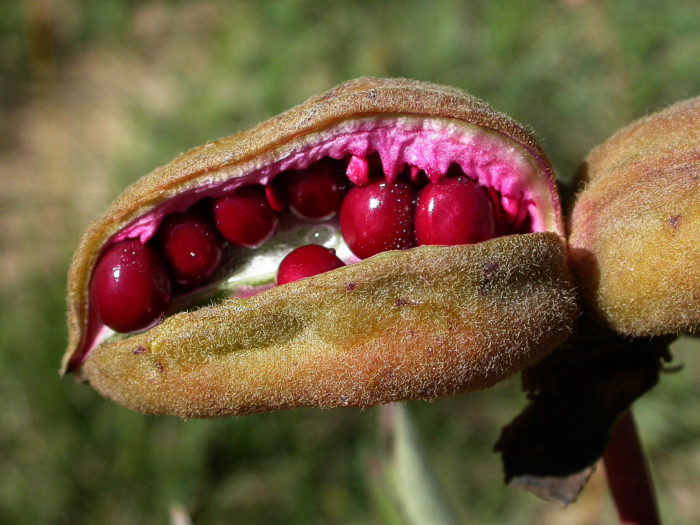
point(420, 324)
point(386, 240)
point(635, 227)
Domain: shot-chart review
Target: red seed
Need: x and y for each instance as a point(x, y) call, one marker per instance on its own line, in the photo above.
point(378, 217)
point(274, 198)
point(192, 246)
point(245, 218)
point(454, 211)
point(495, 206)
point(500, 225)
point(130, 286)
point(315, 193)
point(307, 261)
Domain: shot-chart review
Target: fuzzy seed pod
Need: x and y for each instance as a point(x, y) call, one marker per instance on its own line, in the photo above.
point(423, 322)
point(635, 227)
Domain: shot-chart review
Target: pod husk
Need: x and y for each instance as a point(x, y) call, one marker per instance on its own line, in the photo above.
point(418, 324)
point(421, 323)
point(635, 226)
point(255, 147)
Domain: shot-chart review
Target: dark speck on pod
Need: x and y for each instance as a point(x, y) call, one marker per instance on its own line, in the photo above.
point(489, 269)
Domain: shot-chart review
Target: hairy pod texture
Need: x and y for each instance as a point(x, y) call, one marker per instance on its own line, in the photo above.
point(425, 323)
point(635, 226)
point(421, 322)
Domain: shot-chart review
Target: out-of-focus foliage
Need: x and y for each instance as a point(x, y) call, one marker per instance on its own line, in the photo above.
point(94, 94)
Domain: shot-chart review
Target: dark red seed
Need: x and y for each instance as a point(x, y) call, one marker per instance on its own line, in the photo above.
point(192, 247)
point(274, 197)
point(454, 211)
point(245, 218)
point(307, 261)
point(315, 193)
point(378, 217)
point(130, 286)
point(500, 225)
point(496, 206)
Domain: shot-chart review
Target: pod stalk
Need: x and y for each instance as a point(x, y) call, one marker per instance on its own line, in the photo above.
point(628, 475)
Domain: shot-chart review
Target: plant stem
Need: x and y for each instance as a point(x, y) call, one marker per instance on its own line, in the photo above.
point(628, 476)
point(412, 489)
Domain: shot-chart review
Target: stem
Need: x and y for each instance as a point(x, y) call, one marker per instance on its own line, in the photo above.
point(628, 477)
point(414, 491)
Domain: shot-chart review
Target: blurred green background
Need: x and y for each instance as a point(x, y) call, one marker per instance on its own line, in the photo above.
point(95, 94)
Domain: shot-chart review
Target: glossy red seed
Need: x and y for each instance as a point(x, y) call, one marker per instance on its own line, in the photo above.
point(378, 217)
point(245, 218)
point(454, 211)
point(192, 247)
point(130, 287)
point(315, 192)
point(307, 261)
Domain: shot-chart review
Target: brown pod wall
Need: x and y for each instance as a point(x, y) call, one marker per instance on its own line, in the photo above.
point(635, 226)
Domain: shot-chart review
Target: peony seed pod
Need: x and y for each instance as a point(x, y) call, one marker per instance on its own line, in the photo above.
point(389, 321)
point(635, 227)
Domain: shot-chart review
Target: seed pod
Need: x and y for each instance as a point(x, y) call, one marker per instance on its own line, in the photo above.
point(417, 323)
point(635, 226)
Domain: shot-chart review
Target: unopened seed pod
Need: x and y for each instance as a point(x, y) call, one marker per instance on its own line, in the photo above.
point(635, 226)
point(391, 320)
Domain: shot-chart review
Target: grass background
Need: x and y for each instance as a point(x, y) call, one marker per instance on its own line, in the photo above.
point(95, 94)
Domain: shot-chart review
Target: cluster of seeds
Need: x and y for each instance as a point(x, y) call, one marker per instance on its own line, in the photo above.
point(133, 283)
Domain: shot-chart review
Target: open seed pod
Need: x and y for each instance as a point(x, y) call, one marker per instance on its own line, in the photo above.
point(440, 264)
point(635, 226)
